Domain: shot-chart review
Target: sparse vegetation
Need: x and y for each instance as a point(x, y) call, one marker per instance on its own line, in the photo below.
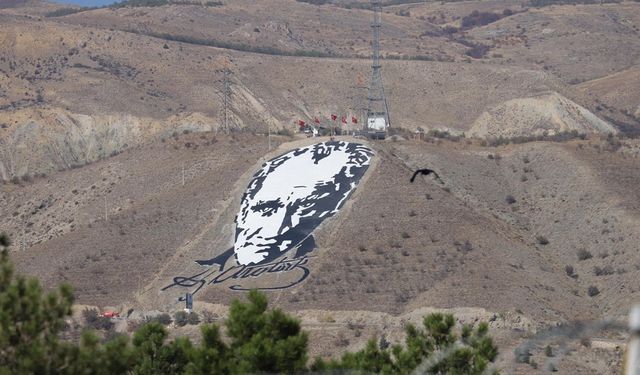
point(444, 134)
point(478, 51)
point(542, 240)
point(593, 291)
point(182, 318)
point(163, 319)
point(233, 45)
point(568, 269)
point(584, 254)
point(523, 355)
point(556, 137)
point(603, 271)
point(548, 351)
point(60, 12)
point(477, 18)
point(543, 3)
point(510, 199)
point(93, 320)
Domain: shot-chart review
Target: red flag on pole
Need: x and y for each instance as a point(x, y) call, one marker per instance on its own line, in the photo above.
point(344, 119)
point(316, 120)
point(334, 117)
point(301, 123)
point(354, 120)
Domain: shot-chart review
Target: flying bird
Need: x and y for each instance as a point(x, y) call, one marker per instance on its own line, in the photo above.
point(425, 172)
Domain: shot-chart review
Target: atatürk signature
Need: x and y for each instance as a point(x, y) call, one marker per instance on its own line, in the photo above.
point(240, 272)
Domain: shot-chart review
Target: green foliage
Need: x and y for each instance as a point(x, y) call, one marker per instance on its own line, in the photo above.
point(154, 356)
point(93, 320)
point(265, 341)
point(562, 136)
point(477, 18)
point(433, 349)
point(235, 46)
point(140, 3)
point(543, 3)
point(30, 320)
point(65, 11)
point(5, 241)
point(182, 318)
point(164, 319)
point(159, 3)
point(92, 357)
point(548, 351)
point(584, 254)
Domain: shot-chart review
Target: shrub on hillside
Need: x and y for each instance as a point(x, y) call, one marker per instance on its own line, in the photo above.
point(542, 240)
point(164, 319)
point(543, 3)
point(64, 12)
point(568, 269)
point(584, 254)
point(182, 318)
point(93, 320)
point(477, 18)
point(603, 271)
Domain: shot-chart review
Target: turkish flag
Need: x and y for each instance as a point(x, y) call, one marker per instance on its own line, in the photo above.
point(354, 120)
point(316, 120)
point(301, 123)
point(334, 117)
point(344, 119)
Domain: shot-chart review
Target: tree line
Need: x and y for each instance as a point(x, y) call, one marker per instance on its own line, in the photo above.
point(255, 339)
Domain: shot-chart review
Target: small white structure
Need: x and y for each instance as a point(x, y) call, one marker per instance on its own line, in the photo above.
point(378, 123)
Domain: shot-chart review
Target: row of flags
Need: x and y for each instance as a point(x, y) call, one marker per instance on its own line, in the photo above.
point(343, 119)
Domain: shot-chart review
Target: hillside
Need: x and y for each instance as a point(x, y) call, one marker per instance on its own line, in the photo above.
point(117, 174)
point(456, 245)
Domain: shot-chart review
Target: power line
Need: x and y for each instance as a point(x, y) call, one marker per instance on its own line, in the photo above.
point(226, 97)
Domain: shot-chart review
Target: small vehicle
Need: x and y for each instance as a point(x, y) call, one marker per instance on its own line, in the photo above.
point(110, 314)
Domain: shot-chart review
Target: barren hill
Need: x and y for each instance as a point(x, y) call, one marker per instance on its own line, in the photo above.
point(535, 116)
point(117, 173)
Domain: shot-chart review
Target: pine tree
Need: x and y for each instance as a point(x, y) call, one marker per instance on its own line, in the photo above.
point(436, 349)
point(264, 341)
point(30, 321)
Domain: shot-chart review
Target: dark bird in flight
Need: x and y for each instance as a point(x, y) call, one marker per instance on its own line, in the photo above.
point(425, 172)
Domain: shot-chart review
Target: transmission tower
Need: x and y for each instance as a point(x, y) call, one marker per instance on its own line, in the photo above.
point(377, 111)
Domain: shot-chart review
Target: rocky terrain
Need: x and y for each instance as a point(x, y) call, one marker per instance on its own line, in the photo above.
point(118, 172)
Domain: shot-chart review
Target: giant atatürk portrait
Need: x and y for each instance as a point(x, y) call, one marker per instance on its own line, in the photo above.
point(284, 203)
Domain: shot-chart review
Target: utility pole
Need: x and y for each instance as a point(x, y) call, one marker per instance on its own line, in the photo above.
point(182, 173)
point(226, 100)
point(633, 349)
point(24, 234)
point(269, 134)
point(106, 212)
point(226, 93)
